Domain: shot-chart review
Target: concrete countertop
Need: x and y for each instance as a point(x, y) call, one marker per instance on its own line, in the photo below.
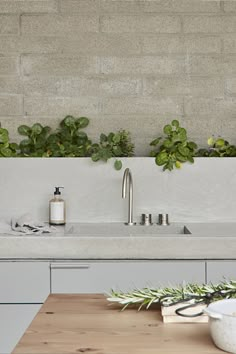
point(117, 241)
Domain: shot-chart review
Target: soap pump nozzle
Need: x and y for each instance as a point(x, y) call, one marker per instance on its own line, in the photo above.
point(57, 190)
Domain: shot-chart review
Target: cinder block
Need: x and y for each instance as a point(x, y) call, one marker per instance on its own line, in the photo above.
point(184, 85)
point(229, 64)
point(60, 106)
point(211, 65)
point(231, 86)
point(102, 44)
point(9, 66)
point(57, 25)
point(144, 23)
point(202, 44)
point(176, 44)
point(162, 64)
point(230, 6)
point(10, 84)
point(29, 44)
point(229, 41)
point(143, 105)
point(209, 106)
point(117, 6)
point(204, 65)
point(9, 24)
point(59, 65)
point(23, 6)
point(73, 6)
point(181, 6)
point(11, 105)
point(75, 86)
point(162, 44)
point(209, 24)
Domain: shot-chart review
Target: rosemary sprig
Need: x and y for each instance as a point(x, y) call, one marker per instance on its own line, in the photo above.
point(168, 296)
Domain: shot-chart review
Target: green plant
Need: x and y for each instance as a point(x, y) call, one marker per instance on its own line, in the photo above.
point(7, 149)
point(218, 147)
point(69, 140)
point(113, 145)
point(167, 296)
point(35, 145)
point(173, 149)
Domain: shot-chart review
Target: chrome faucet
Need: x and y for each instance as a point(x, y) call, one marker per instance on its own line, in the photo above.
point(128, 177)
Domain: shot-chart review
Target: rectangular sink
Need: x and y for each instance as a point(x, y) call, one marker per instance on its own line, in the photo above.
point(121, 230)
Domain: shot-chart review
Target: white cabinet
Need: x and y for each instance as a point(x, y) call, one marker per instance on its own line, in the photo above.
point(218, 270)
point(24, 282)
point(14, 320)
point(98, 277)
point(24, 286)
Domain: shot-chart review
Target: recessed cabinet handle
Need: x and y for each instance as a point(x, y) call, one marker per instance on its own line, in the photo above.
point(69, 266)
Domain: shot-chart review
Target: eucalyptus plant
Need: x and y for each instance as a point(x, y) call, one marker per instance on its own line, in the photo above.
point(7, 149)
point(170, 150)
point(70, 140)
point(35, 143)
point(217, 147)
point(113, 145)
point(174, 148)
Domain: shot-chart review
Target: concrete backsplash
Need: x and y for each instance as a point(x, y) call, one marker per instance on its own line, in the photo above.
point(125, 64)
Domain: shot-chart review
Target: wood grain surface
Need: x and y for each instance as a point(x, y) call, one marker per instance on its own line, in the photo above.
point(72, 324)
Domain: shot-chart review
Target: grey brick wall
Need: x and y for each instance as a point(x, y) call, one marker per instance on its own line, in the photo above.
point(133, 64)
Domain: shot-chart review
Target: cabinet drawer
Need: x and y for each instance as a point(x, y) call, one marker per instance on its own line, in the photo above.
point(24, 282)
point(218, 270)
point(98, 277)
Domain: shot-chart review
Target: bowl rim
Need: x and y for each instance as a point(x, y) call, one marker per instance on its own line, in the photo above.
point(216, 303)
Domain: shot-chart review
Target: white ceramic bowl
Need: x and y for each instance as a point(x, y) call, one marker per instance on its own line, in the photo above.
point(222, 321)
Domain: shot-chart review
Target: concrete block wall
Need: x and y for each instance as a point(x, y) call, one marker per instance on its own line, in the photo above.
point(133, 64)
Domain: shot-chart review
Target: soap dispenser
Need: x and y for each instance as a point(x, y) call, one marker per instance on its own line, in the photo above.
point(57, 212)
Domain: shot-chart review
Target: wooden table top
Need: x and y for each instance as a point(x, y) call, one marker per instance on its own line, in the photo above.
point(87, 324)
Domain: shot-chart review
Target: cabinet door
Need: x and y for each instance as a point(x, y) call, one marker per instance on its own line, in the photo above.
point(218, 270)
point(14, 320)
point(98, 277)
point(24, 282)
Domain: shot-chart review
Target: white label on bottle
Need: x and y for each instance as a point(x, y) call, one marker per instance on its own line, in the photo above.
point(57, 211)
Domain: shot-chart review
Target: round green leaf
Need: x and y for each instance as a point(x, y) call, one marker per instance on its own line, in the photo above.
point(82, 122)
point(37, 129)
point(118, 165)
point(161, 158)
point(183, 150)
point(69, 121)
point(167, 129)
point(210, 141)
point(7, 152)
point(180, 157)
point(4, 138)
point(175, 123)
point(168, 143)
point(95, 157)
point(220, 142)
point(191, 145)
point(24, 130)
point(155, 141)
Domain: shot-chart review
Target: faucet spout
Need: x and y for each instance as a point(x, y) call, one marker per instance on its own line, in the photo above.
point(128, 181)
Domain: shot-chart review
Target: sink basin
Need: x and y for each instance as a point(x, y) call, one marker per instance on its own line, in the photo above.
point(121, 230)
